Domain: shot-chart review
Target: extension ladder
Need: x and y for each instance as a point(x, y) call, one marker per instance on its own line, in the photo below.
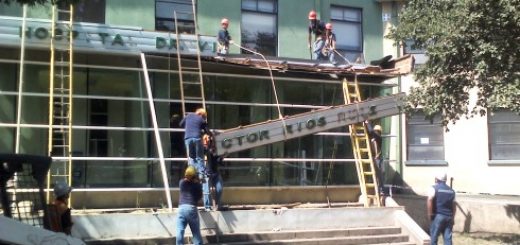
point(60, 97)
point(362, 149)
point(191, 85)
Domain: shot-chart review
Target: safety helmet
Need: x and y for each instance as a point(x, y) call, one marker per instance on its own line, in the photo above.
point(224, 21)
point(190, 172)
point(61, 189)
point(378, 128)
point(312, 15)
point(441, 176)
point(328, 26)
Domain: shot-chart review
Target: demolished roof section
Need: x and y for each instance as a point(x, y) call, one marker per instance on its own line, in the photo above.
point(387, 69)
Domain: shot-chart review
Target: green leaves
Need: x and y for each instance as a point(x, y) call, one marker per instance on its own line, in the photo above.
point(472, 46)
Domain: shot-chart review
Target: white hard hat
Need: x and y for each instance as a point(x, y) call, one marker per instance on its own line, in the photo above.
point(441, 176)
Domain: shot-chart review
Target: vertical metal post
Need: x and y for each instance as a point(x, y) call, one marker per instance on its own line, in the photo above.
point(20, 81)
point(156, 131)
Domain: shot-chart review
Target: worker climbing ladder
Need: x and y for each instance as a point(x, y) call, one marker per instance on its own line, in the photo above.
point(361, 148)
point(191, 82)
point(60, 96)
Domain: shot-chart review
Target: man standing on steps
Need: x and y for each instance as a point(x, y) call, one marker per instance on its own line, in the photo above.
point(376, 141)
point(441, 208)
point(195, 126)
point(190, 194)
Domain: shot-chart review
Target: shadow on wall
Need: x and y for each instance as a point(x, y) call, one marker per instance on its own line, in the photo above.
point(513, 211)
point(467, 218)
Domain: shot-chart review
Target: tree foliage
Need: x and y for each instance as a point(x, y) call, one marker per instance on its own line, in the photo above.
point(472, 46)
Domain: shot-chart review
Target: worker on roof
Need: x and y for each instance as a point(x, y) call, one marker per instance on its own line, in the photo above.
point(316, 27)
point(223, 38)
point(195, 126)
point(330, 44)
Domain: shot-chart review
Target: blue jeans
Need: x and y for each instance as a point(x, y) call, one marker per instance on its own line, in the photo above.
point(188, 215)
point(214, 181)
point(195, 153)
point(380, 174)
point(441, 224)
point(316, 50)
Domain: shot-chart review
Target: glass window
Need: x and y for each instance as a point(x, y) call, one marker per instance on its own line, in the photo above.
point(504, 135)
point(425, 139)
point(164, 16)
point(259, 18)
point(347, 23)
point(86, 11)
point(418, 54)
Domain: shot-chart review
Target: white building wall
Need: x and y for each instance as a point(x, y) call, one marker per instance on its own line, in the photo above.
point(466, 149)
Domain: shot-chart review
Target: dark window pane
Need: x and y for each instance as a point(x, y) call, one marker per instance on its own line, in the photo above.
point(425, 140)
point(504, 135)
point(259, 32)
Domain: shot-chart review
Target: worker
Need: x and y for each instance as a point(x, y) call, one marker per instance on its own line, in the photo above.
point(215, 179)
point(187, 214)
point(376, 142)
point(317, 28)
point(60, 219)
point(441, 207)
point(195, 126)
point(223, 38)
point(330, 44)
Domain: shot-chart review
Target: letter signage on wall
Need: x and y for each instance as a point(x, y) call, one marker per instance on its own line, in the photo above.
point(90, 37)
point(299, 125)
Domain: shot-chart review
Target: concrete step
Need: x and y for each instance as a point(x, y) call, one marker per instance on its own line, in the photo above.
point(303, 234)
point(350, 240)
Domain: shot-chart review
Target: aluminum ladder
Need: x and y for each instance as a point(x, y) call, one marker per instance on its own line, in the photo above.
point(361, 148)
point(61, 77)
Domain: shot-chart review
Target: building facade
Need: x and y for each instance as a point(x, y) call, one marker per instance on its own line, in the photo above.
point(480, 153)
point(113, 142)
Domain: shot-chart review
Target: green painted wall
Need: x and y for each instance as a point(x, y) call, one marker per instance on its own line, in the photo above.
point(210, 12)
point(36, 11)
point(293, 21)
point(131, 13)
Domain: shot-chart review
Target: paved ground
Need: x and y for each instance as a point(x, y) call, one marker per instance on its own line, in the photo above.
point(485, 239)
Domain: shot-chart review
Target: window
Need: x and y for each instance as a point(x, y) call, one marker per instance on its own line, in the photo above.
point(504, 135)
point(425, 140)
point(87, 11)
point(347, 24)
point(164, 18)
point(259, 26)
point(418, 54)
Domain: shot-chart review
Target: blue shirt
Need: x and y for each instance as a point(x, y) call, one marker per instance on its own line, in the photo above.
point(194, 126)
point(190, 192)
point(224, 37)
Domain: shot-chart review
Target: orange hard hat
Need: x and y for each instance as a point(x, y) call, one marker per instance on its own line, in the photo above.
point(328, 26)
point(224, 21)
point(312, 15)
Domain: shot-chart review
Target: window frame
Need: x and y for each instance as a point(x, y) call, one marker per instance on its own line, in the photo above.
point(491, 142)
point(65, 16)
point(360, 23)
point(172, 19)
point(257, 11)
point(424, 162)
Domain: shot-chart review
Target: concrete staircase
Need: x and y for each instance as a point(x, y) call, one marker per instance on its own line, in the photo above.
point(301, 226)
point(369, 235)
